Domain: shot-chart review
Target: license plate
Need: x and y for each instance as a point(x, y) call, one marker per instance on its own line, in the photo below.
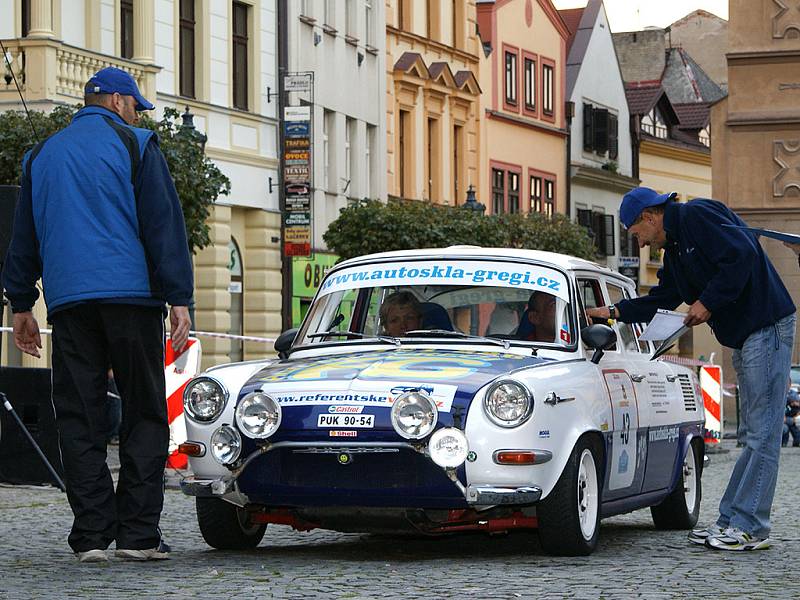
point(359, 421)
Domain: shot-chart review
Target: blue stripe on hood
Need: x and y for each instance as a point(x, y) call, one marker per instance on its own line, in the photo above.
point(468, 370)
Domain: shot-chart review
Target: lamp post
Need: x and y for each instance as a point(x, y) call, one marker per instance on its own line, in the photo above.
point(188, 128)
point(471, 203)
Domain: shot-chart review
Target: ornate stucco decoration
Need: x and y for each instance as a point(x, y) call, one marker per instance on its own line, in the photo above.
point(786, 153)
point(787, 18)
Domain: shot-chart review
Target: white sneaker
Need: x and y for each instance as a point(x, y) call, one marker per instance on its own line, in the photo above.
point(92, 556)
point(699, 536)
point(159, 553)
point(738, 540)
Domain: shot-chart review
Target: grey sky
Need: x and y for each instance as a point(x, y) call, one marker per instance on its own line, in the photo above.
point(633, 15)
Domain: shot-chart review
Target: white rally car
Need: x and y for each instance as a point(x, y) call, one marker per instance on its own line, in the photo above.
point(449, 390)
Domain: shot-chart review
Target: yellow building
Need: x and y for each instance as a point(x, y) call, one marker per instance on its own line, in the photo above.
point(670, 159)
point(432, 99)
point(54, 47)
point(524, 142)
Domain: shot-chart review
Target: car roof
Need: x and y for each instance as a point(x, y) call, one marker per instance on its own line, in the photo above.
point(563, 261)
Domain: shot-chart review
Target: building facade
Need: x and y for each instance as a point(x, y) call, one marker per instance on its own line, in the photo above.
point(432, 100)
point(523, 75)
point(756, 136)
point(600, 149)
point(343, 45)
point(216, 57)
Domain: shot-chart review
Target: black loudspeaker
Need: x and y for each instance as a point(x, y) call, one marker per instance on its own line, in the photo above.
point(28, 391)
point(8, 202)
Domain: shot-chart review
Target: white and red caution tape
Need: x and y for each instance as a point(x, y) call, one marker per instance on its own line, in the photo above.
point(226, 336)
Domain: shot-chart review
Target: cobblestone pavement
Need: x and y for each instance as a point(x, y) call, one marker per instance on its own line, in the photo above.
point(632, 560)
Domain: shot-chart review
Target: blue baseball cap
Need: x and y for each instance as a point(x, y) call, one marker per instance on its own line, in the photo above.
point(637, 200)
point(113, 80)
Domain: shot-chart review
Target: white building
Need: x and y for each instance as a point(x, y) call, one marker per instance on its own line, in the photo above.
point(343, 43)
point(217, 57)
point(600, 148)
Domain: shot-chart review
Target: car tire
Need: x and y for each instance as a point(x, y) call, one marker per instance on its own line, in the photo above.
point(680, 509)
point(227, 527)
point(569, 518)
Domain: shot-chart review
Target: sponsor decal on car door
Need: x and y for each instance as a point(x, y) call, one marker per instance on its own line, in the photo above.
point(625, 428)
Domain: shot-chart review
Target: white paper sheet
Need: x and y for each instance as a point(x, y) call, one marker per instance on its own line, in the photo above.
point(665, 323)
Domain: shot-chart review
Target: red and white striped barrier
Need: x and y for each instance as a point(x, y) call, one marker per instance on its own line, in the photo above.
point(711, 387)
point(179, 368)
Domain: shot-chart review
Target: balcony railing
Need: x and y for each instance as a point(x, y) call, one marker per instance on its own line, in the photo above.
point(48, 69)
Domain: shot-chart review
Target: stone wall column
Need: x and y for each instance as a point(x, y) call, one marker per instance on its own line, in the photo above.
point(262, 281)
point(211, 296)
point(144, 19)
point(41, 19)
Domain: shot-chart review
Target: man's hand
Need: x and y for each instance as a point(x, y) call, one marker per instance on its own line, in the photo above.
point(601, 312)
point(793, 247)
point(179, 324)
point(697, 314)
point(26, 333)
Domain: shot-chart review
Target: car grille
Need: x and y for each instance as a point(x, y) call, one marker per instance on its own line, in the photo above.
point(687, 389)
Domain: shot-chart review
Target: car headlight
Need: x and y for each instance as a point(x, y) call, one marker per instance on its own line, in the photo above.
point(204, 399)
point(226, 445)
point(508, 403)
point(448, 447)
point(414, 415)
point(258, 415)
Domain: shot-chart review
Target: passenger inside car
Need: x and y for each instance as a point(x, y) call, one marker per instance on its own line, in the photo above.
point(399, 313)
point(539, 322)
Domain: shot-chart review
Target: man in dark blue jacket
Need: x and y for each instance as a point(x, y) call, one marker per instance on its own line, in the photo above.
point(725, 277)
point(99, 220)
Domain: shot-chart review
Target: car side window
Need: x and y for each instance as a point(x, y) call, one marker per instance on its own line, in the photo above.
point(627, 332)
point(591, 293)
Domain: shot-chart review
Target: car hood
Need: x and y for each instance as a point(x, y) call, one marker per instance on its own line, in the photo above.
point(375, 379)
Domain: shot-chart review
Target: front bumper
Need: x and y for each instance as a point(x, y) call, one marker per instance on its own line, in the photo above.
point(474, 495)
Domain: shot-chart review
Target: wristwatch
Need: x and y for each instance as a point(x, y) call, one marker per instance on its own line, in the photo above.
point(612, 312)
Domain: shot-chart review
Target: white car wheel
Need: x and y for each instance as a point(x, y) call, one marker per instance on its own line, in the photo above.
point(588, 494)
point(681, 508)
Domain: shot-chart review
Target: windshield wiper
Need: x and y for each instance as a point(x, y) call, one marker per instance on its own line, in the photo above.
point(457, 334)
point(383, 338)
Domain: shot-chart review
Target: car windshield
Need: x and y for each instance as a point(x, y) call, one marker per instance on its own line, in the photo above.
point(449, 299)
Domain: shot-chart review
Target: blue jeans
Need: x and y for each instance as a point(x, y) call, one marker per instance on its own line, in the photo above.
point(762, 367)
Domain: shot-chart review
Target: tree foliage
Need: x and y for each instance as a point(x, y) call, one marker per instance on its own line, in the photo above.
point(197, 179)
point(371, 226)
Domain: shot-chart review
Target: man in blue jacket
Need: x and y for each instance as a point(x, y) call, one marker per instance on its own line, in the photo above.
point(728, 282)
point(99, 220)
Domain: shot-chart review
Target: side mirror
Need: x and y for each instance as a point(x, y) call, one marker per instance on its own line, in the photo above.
point(285, 341)
point(599, 338)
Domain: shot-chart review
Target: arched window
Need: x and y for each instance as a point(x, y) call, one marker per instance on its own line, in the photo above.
point(236, 289)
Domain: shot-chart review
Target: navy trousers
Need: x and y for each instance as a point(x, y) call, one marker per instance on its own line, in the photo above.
point(85, 338)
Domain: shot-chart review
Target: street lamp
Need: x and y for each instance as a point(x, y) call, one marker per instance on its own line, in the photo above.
point(472, 203)
point(188, 128)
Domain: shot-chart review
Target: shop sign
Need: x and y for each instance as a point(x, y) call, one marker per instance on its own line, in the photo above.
point(307, 273)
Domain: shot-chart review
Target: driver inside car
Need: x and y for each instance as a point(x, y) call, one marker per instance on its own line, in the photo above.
point(401, 312)
point(541, 315)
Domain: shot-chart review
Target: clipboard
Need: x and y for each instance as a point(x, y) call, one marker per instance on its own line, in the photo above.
point(777, 235)
point(669, 342)
point(667, 327)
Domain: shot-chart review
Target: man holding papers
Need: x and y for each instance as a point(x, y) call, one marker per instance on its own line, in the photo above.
point(726, 279)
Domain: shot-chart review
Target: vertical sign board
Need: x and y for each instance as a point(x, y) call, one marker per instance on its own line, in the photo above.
point(629, 266)
point(297, 180)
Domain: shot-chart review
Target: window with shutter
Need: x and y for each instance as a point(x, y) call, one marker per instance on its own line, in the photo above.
point(608, 235)
point(613, 137)
point(588, 127)
point(600, 130)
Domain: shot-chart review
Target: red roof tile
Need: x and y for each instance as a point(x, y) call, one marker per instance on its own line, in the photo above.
point(572, 19)
point(693, 116)
point(641, 98)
